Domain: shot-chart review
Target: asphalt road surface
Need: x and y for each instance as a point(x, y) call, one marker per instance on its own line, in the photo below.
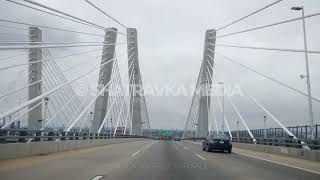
point(148, 160)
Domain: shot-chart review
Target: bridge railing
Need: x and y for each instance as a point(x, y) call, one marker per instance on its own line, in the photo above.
point(285, 142)
point(24, 135)
point(301, 132)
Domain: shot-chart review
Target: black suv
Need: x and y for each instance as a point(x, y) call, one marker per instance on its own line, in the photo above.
point(217, 142)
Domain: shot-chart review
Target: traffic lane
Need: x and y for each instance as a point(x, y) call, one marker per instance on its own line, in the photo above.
point(249, 168)
point(78, 164)
point(166, 160)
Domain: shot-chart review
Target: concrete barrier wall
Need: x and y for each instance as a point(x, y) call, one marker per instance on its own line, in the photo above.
point(313, 155)
point(18, 150)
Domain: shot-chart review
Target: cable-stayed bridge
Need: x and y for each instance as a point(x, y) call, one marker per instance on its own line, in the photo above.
point(78, 109)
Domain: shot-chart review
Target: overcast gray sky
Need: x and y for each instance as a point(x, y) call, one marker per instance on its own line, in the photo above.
point(171, 37)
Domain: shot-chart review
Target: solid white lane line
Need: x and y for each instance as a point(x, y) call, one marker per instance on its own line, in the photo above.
point(134, 154)
point(200, 157)
point(291, 166)
point(97, 178)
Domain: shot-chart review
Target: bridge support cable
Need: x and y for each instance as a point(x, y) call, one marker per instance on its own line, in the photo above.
point(269, 25)
point(58, 78)
point(123, 91)
point(99, 9)
point(19, 89)
point(215, 117)
point(48, 121)
point(53, 81)
point(116, 98)
point(54, 99)
point(225, 118)
point(21, 115)
point(130, 105)
point(84, 120)
point(253, 13)
point(12, 57)
point(241, 118)
point(268, 77)
point(65, 15)
point(277, 121)
point(56, 59)
point(12, 27)
point(118, 119)
point(211, 107)
point(106, 116)
point(71, 45)
point(132, 100)
point(56, 15)
point(48, 27)
point(62, 77)
point(193, 116)
point(191, 109)
point(68, 128)
point(129, 114)
point(119, 91)
point(269, 49)
point(272, 116)
point(52, 91)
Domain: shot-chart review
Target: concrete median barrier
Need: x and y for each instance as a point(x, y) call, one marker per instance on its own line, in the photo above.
point(313, 155)
point(19, 150)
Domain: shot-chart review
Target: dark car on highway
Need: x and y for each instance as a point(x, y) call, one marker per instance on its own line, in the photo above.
point(217, 142)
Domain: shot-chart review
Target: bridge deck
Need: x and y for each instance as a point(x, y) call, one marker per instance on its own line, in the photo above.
point(149, 159)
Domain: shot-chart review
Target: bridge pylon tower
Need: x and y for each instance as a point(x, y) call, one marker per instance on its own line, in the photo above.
point(35, 79)
point(108, 54)
point(135, 83)
point(206, 83)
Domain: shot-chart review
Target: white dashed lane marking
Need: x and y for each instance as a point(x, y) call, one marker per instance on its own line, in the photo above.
point(97, 178)
point(200, 157)
point(134, 154)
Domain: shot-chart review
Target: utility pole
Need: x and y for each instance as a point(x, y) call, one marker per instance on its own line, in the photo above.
point(307, 70)
point(111, 127)
point(265, 127)
point(238, 131)
point(223, 107)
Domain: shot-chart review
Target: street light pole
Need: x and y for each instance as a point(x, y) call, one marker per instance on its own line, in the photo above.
point(238, 131)
point(264, 127)
point(223, 109)
point(111, 127)
point(307, 69)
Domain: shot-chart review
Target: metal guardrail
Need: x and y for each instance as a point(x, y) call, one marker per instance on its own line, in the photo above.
point(314, 145)
point(24, 135)
point(285, 142)
point(301, 132)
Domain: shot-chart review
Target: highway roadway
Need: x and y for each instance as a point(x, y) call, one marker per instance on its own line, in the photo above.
point(153, 160)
